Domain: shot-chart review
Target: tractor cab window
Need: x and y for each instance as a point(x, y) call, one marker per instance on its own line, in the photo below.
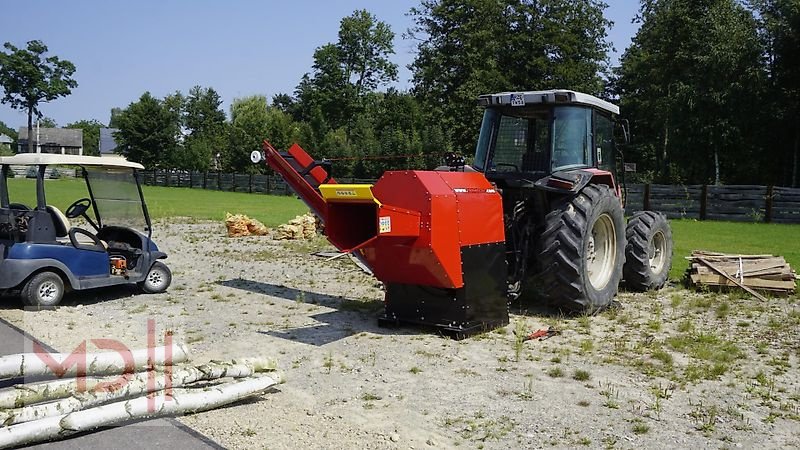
point(519, 140)
point(572, 126)
point(604, 142)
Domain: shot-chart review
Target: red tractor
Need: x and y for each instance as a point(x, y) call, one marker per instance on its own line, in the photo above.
point(539, 205)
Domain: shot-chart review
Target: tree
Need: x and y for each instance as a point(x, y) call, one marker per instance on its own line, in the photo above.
point(205, 129)
point(357, 64)
point(47, 122)
point(249, 127)
point(91, 135)
point(8, 131)
point(689, 84)
point(471, 47)
point(147, 131)
point(780, 28)
point(28, 79)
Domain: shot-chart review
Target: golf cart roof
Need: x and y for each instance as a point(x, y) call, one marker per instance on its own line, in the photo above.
point(554, 96)
point(37, 159)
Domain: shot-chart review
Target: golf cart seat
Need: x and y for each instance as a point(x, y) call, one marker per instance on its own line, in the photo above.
point(65, 229)
point(60, 221)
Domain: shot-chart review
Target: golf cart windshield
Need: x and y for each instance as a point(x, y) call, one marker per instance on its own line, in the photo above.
point(116, 196)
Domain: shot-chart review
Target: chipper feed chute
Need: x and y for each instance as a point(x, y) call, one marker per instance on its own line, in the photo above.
point(435, 239)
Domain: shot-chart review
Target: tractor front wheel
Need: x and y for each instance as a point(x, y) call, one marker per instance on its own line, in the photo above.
point(582, 250)
point(648, 254)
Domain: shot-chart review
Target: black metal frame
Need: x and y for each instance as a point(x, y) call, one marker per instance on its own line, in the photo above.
point(4, 201)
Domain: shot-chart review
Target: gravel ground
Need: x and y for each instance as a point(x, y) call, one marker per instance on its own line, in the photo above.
point(673, 369)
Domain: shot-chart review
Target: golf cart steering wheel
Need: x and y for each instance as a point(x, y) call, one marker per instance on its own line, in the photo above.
point(78, 208)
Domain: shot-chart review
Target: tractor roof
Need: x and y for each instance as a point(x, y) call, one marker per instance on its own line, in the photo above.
point(555, 96)
point(36, 159)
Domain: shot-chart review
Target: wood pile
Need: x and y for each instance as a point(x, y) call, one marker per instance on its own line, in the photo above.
point(301, 227)
point(750, 272)
point(110, 390)
point(239, 225)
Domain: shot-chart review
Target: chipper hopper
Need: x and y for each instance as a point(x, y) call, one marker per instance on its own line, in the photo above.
point(434, 238)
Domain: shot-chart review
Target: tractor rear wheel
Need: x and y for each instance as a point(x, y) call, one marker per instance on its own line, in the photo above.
point(648, 254)
point(582, 250)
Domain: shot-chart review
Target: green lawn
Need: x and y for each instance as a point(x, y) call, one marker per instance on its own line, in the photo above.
point(172, 202)
point(733, 237)
point(730, 237)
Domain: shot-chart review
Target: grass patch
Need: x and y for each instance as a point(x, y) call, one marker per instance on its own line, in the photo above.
point(555, 372)
point(163, 202)
point(581, 375)
point(731, 237)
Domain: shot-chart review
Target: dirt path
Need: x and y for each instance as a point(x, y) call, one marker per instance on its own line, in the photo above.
point(677, 369)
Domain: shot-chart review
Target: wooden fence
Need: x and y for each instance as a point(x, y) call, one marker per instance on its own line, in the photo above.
point(219, 181)
point(742, 203)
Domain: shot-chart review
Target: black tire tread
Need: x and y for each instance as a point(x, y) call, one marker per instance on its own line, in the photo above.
point(636, 271)
point(561, 256)
point(143, 284)
point(28, 293)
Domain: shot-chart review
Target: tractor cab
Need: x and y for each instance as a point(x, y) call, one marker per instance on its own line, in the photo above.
point(527, 136)
point(102, 238)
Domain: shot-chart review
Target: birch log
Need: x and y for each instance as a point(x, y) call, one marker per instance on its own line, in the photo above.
point(182, 401)
point(106, 363)
point(28, 394)
point(132, 385)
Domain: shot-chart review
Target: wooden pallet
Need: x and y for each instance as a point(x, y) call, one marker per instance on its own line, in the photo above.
point(750, 272)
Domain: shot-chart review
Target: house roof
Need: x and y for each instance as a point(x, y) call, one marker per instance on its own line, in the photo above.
point(5, 139)
point(35, 159)
point(61, 137)
point(108, 145)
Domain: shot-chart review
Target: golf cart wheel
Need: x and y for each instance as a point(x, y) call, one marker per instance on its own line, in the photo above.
point(648, 254)
point(43, 290)
point(158, 279)
point(582, 250)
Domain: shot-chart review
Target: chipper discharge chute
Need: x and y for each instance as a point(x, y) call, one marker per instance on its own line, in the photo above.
point(435, 239)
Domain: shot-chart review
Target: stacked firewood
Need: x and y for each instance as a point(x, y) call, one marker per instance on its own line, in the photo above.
point(750, 272)
point(301, 227)
point(108, 390)
point(240, 225)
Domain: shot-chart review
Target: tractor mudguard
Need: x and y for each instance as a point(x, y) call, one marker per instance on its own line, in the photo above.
point(573, 181)
point(565, 181)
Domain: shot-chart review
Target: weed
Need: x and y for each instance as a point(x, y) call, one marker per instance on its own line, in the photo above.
point(640, 428)
point(584, 403)
point(723, 310)
point(581, 375)
point(415, 370)
point(328, 362)
point(369, 397)
point(519, 338)
point(555, 372)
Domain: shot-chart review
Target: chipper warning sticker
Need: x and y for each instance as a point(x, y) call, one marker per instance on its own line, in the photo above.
point(385, 225)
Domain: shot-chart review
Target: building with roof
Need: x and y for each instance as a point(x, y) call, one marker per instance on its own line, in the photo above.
point(5, 142)
point(66, 141)
point(108, 145)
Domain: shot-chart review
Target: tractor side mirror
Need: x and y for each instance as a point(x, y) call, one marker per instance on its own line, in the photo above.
point(622, 132)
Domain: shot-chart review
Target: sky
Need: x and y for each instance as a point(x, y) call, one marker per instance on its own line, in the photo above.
point(123, 48)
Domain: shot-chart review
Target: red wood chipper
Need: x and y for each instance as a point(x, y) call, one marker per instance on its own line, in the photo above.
point(434, 238)
point(540, 200)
